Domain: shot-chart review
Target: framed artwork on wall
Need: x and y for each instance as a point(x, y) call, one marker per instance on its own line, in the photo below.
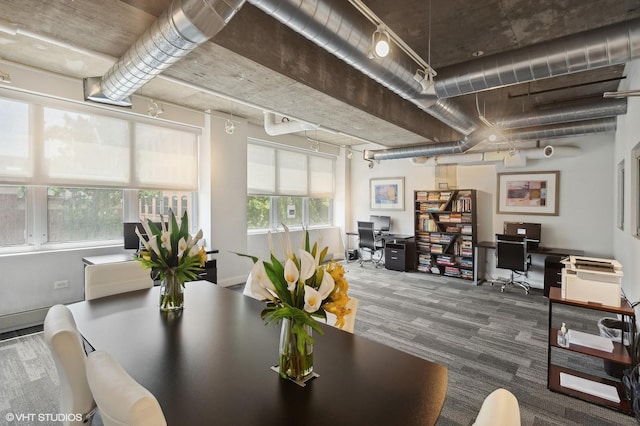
point(528, 193)
point(386, 193)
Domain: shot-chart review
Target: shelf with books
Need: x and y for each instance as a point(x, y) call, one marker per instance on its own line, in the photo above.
point(446, 232)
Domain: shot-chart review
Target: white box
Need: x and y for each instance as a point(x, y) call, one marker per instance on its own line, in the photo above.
point(592, 284)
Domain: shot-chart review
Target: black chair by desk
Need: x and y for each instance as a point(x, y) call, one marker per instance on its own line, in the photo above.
point(368, 241)
point(511, 253)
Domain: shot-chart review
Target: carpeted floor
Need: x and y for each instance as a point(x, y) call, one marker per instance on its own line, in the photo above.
point(486, 338)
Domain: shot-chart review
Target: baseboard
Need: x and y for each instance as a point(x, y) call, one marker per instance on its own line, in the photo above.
point(21, 320)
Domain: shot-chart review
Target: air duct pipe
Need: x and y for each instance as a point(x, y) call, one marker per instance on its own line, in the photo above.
point(587, 111)
point(339, 28)
point(180, 29)
point(605, 46)
point(604, 125)
point(494, 156)
point(274, 129)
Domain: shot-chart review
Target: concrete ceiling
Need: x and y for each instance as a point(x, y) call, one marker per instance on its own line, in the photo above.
point(256, 63)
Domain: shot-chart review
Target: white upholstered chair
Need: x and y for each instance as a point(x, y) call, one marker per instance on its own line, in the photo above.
point(113, 278)
point(499, 408)
point(121, 400)
point(65, 342)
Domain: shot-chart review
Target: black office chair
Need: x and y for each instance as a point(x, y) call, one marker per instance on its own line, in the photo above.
point(368, 241)
point(511, 253)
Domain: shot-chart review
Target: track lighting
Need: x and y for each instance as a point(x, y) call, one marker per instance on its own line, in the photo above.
point(5, 77)
point(229, 127)
point(380, 43)
point(154, 109)
point(349, 154)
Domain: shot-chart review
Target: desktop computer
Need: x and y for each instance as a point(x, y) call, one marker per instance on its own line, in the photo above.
point(530, 231)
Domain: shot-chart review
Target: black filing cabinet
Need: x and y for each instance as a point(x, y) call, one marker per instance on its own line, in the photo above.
point(552, 273)
point(400, 255)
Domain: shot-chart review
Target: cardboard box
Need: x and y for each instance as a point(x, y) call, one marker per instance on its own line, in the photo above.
point(592, 280)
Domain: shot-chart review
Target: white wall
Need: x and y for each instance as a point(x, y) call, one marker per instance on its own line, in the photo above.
point(627, 247)
point(415, 178)
point(585, 207)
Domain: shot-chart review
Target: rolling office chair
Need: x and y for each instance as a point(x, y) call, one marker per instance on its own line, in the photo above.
point(369, 242)
point(511, 253)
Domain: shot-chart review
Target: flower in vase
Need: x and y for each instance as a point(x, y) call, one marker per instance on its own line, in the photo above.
point(301, 288)
point(171, 248)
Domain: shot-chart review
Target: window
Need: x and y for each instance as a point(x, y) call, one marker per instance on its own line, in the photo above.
point(79, 216)
point(620, 201)
point(70, 175)
point(288, 187)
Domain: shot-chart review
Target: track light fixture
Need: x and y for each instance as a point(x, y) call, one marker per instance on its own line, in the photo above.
point(380, 43)
point(5, 77)
point(154, 109)
point(229, 127)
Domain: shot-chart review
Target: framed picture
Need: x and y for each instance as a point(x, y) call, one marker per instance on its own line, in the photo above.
point(386, 193)
point(528, 193)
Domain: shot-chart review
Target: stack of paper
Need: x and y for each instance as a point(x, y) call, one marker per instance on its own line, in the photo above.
point(587, 386)
point(590, 340)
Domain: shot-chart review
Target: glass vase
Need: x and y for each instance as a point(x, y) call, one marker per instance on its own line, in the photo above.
point(293, 364)
point(171, 292)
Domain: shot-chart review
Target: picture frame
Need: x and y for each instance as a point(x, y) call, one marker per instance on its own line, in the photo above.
point(533, 193)
point(386, 193)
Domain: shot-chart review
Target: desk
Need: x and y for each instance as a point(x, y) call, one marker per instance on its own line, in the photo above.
point(546, 251)
point(550, 251)
point(209, 273)
point(212, 364)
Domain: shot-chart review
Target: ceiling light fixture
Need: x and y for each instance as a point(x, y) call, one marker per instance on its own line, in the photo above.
point(380, 43)
point(154, 109)
point(5, 77)
point(349, 154)
point(229, 127)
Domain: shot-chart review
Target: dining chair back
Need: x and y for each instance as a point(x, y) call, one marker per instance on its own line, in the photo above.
point(112, 278)
point(121, 400)
point(65, 342)
point(499, 408)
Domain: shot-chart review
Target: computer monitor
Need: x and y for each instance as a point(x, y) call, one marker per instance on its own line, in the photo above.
point(381, 223)
point(131, 240)
point(531, 231)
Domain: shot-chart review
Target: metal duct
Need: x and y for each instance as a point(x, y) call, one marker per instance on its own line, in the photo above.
point(610, 45)
point(442, 148)
point(339, 28)
point(590, 111)
point(179, 30)
point(603, 125)
point(274, 129)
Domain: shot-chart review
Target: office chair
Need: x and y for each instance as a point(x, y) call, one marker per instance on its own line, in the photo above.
point(369, 242)
point(511, 253)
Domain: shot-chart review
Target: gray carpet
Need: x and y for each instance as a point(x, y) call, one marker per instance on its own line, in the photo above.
point(486, 338)
point(28, 379)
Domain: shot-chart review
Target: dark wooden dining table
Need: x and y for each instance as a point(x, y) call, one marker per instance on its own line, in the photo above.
point(210, 365)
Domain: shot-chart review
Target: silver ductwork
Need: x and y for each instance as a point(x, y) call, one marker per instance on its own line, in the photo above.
point(604, 125)
point(339, 28)
point(610, 45)
point(180, 29)
point(587, 111)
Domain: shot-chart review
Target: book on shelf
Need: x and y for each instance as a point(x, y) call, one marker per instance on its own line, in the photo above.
point(445, 196)
point(433, 196)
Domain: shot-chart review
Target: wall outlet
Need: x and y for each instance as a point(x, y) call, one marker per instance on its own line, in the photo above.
point(60, 284)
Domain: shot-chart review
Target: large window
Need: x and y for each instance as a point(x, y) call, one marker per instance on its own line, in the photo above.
point(48, 217)
point(288, 187)
point(70, 175)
